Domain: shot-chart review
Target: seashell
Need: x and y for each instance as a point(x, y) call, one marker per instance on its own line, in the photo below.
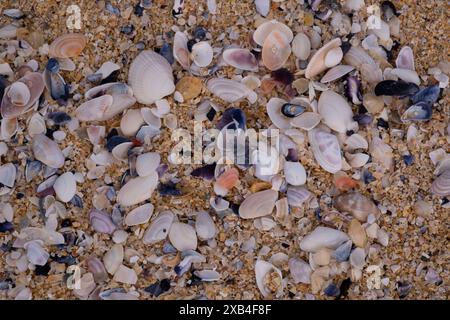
point(97, 269)
point(264, 270)
point(202, 54)
point(56, 85)
point(266, 161)
point(139, 215)
point(8, 31)
point(106, 69)
point(441, 185)
point(357, 160)
point(406, 75)
point(262, 7)
point(357, 56)
point(323, 237)
point(47, 151)
point(47, 236)
point(189, 87)
point(381, 153)
point(67, 46)
point(265, 29)
point(180, 49)
point(8, 175)
point(325, 147)
point(219, 204)
point(355, 141)
point(131, 121)
point(317, 63)
point(125, 275)
point(150, 77)
point(336, 112)
point(358, 258)
point(296, 196)
point(405, 59)
point(381, 31)
point(35, 253)
point(333, 57)
point(301, 46)
point(120, 103)
point(294, 173)
point(276, 50)
point(7, 212)
point(66, 64)
point(207, 275)
point(252, 82)
point(291, 110)
point(150, 118)
point(226, 181)
point(357, 205)
point(13, 13)
point(95, 109)
point(371, 73)
point(230, 91)
point(65, 187)
point(20, 96)
point(101, 221)
point(85, 286)
point(182, 236)
point(113, 258)
point(258, 204)
point(112, 88)
point(428, 94)
point(353, 90)
point(145, 133)
point(137, 190)
point(204, 226)
point(241, 59)
point(336, 73)
point(147, 163)
point(8, 128)
point(95, 134)
point(274, 107)
point(306, 121)
point(159, 228)
point(300, 271)
point(395, 88)
point(162, 108)
point(421, 111)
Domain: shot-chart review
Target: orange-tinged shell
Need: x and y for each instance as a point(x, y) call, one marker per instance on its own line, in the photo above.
point(68, 45)
point(344, 182)
point(276, 50)
point(226, 181)
point(357, 205)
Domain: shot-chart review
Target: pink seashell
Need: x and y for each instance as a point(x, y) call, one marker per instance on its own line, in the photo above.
point(95, 109)
point(276, 50)
point(68, 45)
point(357, 205)
point(226, 181)
point(241, 59)
point(405, 59)
point(97, 268)
point(180, 49)
point(101, 222)
point(265, 29)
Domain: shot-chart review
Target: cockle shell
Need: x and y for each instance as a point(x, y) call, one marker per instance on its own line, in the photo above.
point(204, 225)
point(240, 58)
point(147, 163)
point(94, 110)
point(317, 63)
point(113, 258)
point(258, 204)
point(405, 59)
point(336, 112)
point(65, 187)
point(182, 236)
point(262, 32)
point(262, 271)
point(47, 151)
point(67, 46)
point(230, 91)
point(137, 190)
point(101, 221)
point(159, 228)
point(150, 77)
point(441, 185)
point(356, 204)
point(294, 173)
point(180, 49)
point(325, 147)
point(202, 54)
point(301, 46)
point(8, 174)
point(139, 215)
point(336, 73)
point(323, 237)
point(306, 121)
point(276, 50)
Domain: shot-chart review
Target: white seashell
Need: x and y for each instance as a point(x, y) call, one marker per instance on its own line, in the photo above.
point(150, 77)
point(219, 204)
point(354, 5)
point(325, 147)
point(207, 275)
point(139, 215)
point(64, 64)
point(323, 237)
point(107, 68)
point(357, 160)
point(252, 82)
point(120, 103)
point(358, 258)
point(306, 121)
point(8, 174)
point(85, 286)
point(336, 112)
point(333, 57)
point(258, 204)
point(6, 70)
point(95, 109)
point(406, 75)
point(205, 227)
point(19, 94)
point(120, 152)
point(296, 196)
point(241, 59)
point(262, 269)
point(273, 108)
point(8, 31)
point(171, 121)
point(301, 46)
point(317, 63)
point(405, 59)
point(125, 275)
point(336, 73)
point(382, 31)
point(182, 236)
point(120, 236)
point(147, 163)
point(264, 29)
point(159, 228)
point(131, 121)
point(202, 54)
point(262, 7)
point(65, 187)
point(113, 88)
point(300, 271)
point(8, 128)
point(276, 50)
point(212, 6)
point(162, 108)
point(6, 211)
point(229, 90)
point(381, 153)
point(371, 73)
point(150, 118)
point(35, 253)
point(95, 134)
point(355, 141)
point(180, 49)
point(47, 236)
point(113, 258)
point(137, 190)
point(47, 151)
point(97, 269)
point(294, 173)
point(357, 56)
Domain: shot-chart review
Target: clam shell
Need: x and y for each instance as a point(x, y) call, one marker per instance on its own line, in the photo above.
point(47, 151)
point(112, 88)
point(180, 49)
point(317, 63)
point(205, 227)
point(258, 204)
point(336, 73)
point(325, 147)
point(357, 205)
point(147, 163)
point(276, 50)
point(252, 82)
point(182, 236)
point(131, 121)
point(421, 111)
point(405, 59)
point(96, 267)
point(113, 258)
point(296, 196)
point(265, 29)
point(357, 56)
point(19, 94)
point(65, 187)
point(207, 275)
point(125, 275)
point(336, 112)
point(358, 258)
point(294, 173)
point(273, 108)
point(139, 215)
point(35, 253)
point(333, 57)
point(323, 237)
point(229, 90)
point(441, 185)
point(159, 228)
point(306, 121)
point(150, 118)
point(357, 160)
point(262, 269)
point(95, 134)
point(67, 46)
point(137, 190)
point(101, 221)
point(241, 59)
point(106, 69)
point(36, 125)
point(150, 77)
point(301, 46)
point(202, 54)
point(381, 153)
point(8, 174)
point(95, 109)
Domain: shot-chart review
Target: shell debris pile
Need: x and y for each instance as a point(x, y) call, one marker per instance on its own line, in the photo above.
point(353, 204)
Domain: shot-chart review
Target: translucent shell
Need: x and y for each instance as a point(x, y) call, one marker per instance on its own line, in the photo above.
point(276, 50)
point(325, 147)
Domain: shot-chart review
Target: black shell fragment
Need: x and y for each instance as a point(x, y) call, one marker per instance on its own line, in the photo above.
point(158, 288)
point(52, 65)
point(59, 117)
point(395, 88)
point(169, 189)
point(206, 172)
point(428, 94)
point(389, 10)
point(6, 227)
point(235, 116)
point(283, 76)
point(292, 110)
point(114, 141)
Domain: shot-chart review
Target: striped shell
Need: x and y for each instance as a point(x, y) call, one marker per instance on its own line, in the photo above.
point(67, 46)
point(441, 185)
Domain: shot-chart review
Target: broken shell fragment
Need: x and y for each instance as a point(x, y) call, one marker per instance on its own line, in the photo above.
point(113, 258)
point(306, 121)
point(357, 205)
point(137, 190)
point(268, 278)
point(405, 59)
point(182, 236)
point(276, 50)
point(67, 46)
point(241, 59)
point(226, 181)
point(47, 151)
point(421, 111)
point(258, 204)
point(323, 237)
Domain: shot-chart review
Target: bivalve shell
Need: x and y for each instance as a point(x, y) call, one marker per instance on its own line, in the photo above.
point(325, 147)
point(8, 174)
point(294, 173)
point(333, 57)
point(317, 63)
point(95, 109)
point(67, 46)
point(182, 236)
point(230, 91)
point(131, 121)
point(65, 187)
point(263, 271)
point(258, 204)
point(147, 163)
point(301, 46)
point(336, 112)
point(241, 59)
point(47, 151)
point(323, 237)
point(357, 205)
point(306, 121)
point(441, 185)
point(276, 50)
point(202, 54)
point(336, 73)
point(101, 221)
point(139, 215)
point(113, 258)
point(137, 190)
point(180, 49)
point(265, 29)
point(205, 227)
point(159, 228)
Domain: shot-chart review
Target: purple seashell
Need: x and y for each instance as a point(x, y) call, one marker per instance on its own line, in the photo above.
point(353, 90)
point(292, 155)
point(162, 169)
point(297, 196)
point(314, 4)
point(96, 267)
point(363, 119)
point(206, 172)
point(428, 94)
point(235, 116)
point(101, 222)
